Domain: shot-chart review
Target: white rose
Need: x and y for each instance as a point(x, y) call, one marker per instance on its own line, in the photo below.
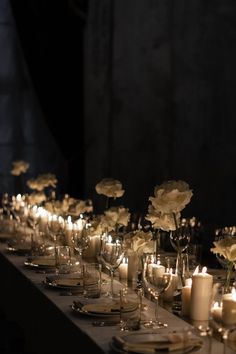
point(226, 247)
point(110, 187)
point(171, 197)
point(165, 222)
point(19, 167)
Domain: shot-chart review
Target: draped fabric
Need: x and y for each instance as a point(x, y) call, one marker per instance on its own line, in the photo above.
point(29, 99)
point(160, 101)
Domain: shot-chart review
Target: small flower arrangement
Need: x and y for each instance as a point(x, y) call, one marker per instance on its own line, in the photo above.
point(115, 217)
point(69, 206)
point(226, 247)
point(19, 167)
point(138, 242)
point(170, 198)
point(42, 181)
point(111, 188)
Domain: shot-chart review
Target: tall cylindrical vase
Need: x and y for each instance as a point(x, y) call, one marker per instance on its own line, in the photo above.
point(133, 267)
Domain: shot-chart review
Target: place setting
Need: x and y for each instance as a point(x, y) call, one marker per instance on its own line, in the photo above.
point(148, 342)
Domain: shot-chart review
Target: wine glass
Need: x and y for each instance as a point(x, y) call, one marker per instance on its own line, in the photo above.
point(111, 255)
point(81, 241)
point(222, 314)
point(156, 279)
point(179, 240)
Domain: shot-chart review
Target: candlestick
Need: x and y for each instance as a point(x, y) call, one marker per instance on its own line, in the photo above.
point(201, 293)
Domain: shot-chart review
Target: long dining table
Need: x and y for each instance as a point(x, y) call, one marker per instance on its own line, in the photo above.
point(47, 319)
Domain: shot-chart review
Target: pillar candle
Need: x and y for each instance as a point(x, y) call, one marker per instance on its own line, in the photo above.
point(229, 309)
point(133, 263)
point(94, 247)
point(201, 293)
point(186, 298)
point(157, 270)
point(123, 269)
point(216, 312)
point(169, 293)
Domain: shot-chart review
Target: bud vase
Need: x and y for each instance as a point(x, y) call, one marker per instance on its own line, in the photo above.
point(133, 266)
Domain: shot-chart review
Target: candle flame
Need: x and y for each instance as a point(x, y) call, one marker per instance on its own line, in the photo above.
point(204, 269)
point(196, 271)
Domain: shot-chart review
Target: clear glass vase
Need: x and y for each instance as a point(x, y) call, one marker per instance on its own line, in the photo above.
point(179, 240)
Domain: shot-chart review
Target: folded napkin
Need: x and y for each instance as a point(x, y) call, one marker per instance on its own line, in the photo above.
point(149, 343)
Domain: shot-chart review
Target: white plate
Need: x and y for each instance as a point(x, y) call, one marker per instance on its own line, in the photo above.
point(64, 281)
point(181, 351)
point(20, 248)
point(40, 262)
point(98, 309)
point(119, 350)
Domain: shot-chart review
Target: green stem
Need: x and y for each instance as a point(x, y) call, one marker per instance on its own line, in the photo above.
point(228, 277)
point(107, 206)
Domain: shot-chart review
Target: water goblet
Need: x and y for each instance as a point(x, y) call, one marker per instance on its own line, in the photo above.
point(111, 255)
point(156, 279)
point(81, 241)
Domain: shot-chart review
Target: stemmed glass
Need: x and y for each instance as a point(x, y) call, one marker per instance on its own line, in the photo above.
point(222, 313)
point(179, 240)
point(6, 205)
point(81, 241)
point(156, 279)
point(111, 255)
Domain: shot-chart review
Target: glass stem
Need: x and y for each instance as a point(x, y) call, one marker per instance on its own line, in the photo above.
point(228, 277)
point(112, 277)
point(157, 308)
point(179, 270)
point(225, 339)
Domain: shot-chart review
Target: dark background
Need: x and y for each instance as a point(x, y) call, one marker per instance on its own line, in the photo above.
point(138, 91)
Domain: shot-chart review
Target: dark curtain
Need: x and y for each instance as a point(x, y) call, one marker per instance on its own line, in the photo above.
point(160, 101)
point(51, 36)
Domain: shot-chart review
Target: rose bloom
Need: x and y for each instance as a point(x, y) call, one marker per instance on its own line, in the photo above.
point(42, 181)
point(36, 198)
point(110, 187)
point(165, 222)
point(115, 216)
point(138, 242)
point(19, 167)
point(226, 247)
point(171, 197)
